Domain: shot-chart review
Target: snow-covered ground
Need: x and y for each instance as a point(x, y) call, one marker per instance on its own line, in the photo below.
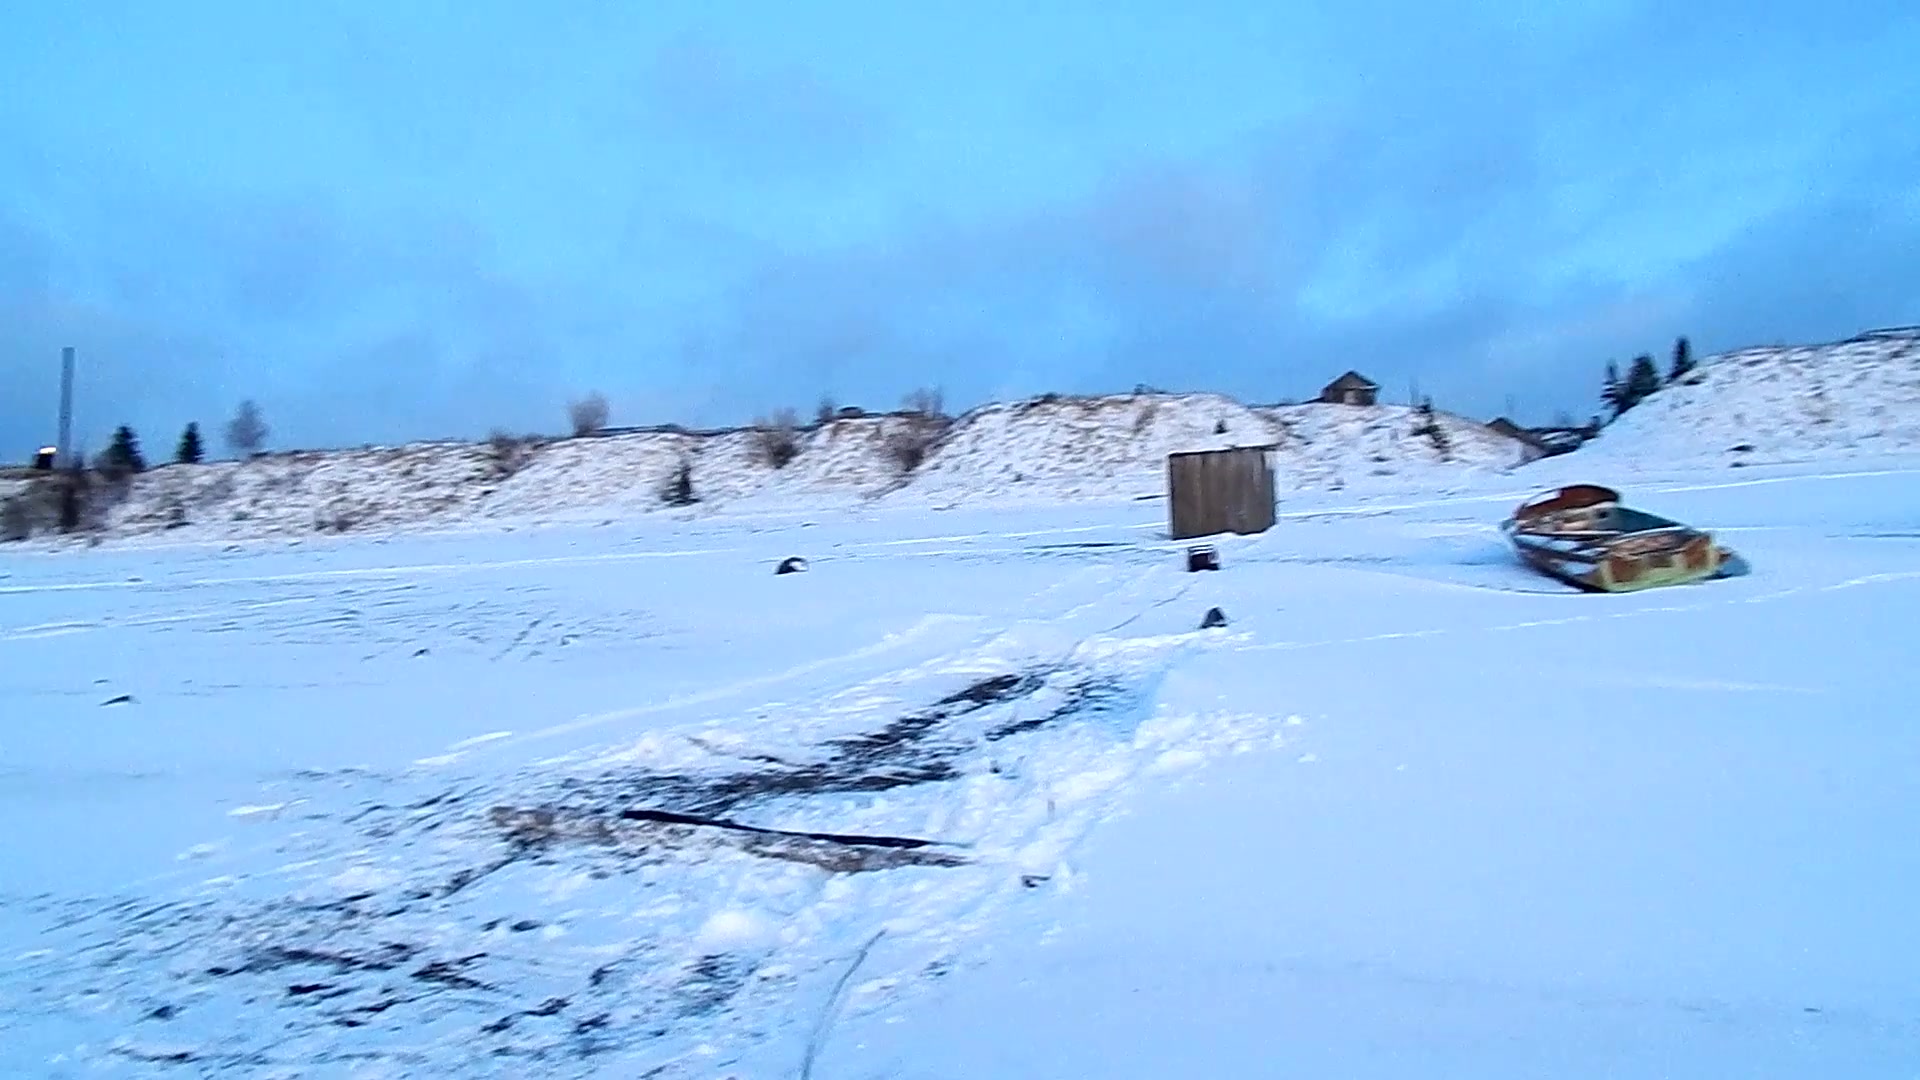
point(1779, 404)
point(363, 807)
point(1034, 453)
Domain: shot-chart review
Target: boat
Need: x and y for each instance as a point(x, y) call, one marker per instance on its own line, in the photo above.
point(1582, 535)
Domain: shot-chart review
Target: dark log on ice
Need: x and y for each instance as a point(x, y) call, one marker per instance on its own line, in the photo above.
point(668, 817)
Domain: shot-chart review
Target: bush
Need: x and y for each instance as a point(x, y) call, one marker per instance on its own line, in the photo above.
point(826, 412)
point(79, 500)
point(19, 517)
point(678, 490)
point(589, 414)
point(922, 425)
point(1428, 424)
point(776, 438)
point(509, 452)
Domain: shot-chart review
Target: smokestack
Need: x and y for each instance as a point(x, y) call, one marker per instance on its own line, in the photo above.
point(65, 453)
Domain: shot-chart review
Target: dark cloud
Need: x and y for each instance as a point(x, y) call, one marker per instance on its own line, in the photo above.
point(1453, 209)
point(1411, 229)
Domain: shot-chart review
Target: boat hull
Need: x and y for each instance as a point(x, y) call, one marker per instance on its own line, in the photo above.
point(1582, 536)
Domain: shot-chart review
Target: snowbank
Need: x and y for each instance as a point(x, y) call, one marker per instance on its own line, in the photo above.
point(1045, 450)
point(1855, 398)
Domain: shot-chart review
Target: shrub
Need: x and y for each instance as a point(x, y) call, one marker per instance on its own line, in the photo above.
point(678, 490)
point(589, 414)
point(19, 516)
point(509, 452)
point(776, 438)
point(923, 424)
point(1427, 424)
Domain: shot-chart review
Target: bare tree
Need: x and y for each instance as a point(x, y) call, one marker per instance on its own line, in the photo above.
point(589, 414)
point(926, 402)
point(916, 433)
point(246, 432)
point(776, 438)
point(826, 412)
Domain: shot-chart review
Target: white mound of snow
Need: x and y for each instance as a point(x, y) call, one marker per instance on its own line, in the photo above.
point(1046, 450)
point(1855, 398)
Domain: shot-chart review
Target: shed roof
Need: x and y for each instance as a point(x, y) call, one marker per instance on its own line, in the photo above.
point(1353, 380)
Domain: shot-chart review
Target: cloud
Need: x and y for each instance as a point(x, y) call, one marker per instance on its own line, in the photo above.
point(1428, 229)
point(1487, 206)
point(367, 326)
point(776, 117)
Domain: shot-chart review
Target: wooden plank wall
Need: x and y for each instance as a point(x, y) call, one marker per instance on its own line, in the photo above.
point(1218, 491)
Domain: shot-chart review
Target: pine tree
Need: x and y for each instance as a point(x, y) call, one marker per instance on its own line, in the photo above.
point(123, 454)
point(1643, 380)
point(190, 452)
point(1614, 393)
point(1683, 361)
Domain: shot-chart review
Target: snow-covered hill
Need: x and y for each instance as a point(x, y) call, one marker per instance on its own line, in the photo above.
point(1854, 398)
point(1857, 398)
point(1046, 450)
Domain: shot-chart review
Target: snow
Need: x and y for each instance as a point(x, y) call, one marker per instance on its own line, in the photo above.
point(1802, 403)
point(975, 796)
point(1036, 453)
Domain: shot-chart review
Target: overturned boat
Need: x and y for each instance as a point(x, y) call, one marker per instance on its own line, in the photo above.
point(1580, 534)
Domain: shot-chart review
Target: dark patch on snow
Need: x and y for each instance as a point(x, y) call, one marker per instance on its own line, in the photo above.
point(667, 817)
point(386, 957)
point(450, 973)
point(1092, 695)
point(710, 983)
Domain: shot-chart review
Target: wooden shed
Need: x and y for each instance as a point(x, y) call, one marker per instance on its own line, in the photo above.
point(1352, 388)
point(1217, 491)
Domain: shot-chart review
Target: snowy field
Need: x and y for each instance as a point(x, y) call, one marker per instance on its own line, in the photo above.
point(557, 802)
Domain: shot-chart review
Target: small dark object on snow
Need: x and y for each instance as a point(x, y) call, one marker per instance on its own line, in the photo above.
point(123, 699)
point(1214, 618)
point(1034, 881)
point(668, 817)
point(1202, 557)
point(792, 564)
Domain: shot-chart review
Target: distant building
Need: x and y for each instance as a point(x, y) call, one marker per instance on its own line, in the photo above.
point(1532, 448)
point(1352, 388)
point(1544, 441)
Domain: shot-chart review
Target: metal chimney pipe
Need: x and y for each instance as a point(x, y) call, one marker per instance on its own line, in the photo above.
point(65, 454)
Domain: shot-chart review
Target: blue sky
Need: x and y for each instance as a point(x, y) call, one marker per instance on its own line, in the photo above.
point(430, 218)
